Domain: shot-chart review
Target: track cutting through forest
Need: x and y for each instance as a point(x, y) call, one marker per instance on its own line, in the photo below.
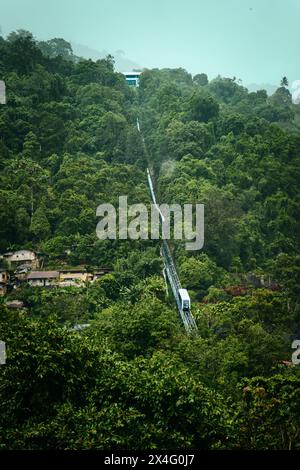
point(169, 265)
point(171, 272)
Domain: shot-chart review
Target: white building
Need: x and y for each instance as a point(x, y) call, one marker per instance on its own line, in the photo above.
point(132, 78)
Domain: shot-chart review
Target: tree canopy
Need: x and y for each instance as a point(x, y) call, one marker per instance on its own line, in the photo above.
point(132, 379)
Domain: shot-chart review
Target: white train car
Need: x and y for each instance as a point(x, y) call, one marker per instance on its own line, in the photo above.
point(185, 301)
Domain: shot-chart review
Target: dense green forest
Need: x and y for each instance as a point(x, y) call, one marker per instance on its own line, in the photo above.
point(134, 379)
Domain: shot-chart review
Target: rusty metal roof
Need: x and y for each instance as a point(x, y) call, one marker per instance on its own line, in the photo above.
point(43, 275)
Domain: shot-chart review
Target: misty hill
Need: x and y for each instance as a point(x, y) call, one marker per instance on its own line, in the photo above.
point(270, 89)
point(122, 63)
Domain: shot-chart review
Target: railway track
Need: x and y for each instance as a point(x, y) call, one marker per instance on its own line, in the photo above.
point(171, 272)
point(169, 265)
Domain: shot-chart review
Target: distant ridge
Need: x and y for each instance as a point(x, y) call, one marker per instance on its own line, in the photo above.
point(270, 89)
point(122, 63)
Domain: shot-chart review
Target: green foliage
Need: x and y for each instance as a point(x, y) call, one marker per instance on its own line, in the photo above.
point(269, 413)
point(200, 79)
point(56, 47)
point(202, 107)
point(40, 226)
point(132, 379)
point(199, 273)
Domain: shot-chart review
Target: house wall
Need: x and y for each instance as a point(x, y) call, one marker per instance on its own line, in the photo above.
point(23, 257)
point(79, 277)
point(3, 290)
point(41, 282)
point(3, 277)
point(36, 282)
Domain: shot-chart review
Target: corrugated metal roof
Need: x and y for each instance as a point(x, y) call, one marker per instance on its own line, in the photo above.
point(43, 275)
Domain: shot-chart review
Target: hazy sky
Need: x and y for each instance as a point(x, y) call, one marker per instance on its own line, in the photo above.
point(255, 40)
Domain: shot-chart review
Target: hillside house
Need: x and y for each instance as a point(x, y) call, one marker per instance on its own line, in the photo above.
point(4, 279)
point(74, 277)
point(15, 304)
point(43, 278)
point(15, 258)
point(22, 271)
point(101, 272)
